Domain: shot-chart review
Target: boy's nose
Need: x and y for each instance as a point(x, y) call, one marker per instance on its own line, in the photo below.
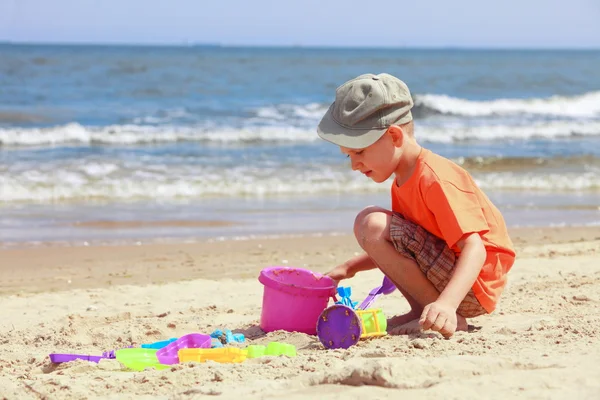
point(355, 164)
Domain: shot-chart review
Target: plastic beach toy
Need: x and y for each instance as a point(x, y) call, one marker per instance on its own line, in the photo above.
point(168, 354)
point(219, 338)
point(222, 355)
point(61, 358)
point(293, 299)
point(345, 293)
point(340, 326)
point(373, 322)
point(387, 287)
point(235, 355)
point(272, 349)
point(158, 345)
point(139, 359)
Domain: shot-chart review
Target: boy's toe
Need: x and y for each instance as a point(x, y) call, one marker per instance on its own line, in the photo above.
point(408, 328)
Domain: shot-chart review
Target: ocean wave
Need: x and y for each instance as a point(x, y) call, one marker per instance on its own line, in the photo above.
point(125, 189)
point(582, 106)
point(586, 105)
point(74, 133)
point(519, 164)
point(105, 182)
point(146, 134)
point(312, 111)
point(85, 180)
point(546, 130)
point(561, 182)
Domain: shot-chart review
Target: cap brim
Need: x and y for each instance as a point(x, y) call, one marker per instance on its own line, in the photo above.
point(333, 132)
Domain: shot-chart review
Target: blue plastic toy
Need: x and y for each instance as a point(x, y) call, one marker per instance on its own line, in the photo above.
point(219, 338)
point(158, 345)
point(345, 300)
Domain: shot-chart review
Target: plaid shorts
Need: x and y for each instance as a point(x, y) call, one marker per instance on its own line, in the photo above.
point(434, 258)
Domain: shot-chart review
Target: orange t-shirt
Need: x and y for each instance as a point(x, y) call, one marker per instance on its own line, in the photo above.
point(442, 197)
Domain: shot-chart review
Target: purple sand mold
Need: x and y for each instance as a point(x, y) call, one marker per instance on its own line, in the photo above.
point(62, 358)
point(340, 328)
point(168, 355)
point(111, 353)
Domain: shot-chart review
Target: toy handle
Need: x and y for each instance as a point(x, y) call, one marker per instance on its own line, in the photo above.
point(373, 295)
point(387, 286)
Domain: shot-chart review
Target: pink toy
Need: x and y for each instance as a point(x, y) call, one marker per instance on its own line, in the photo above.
point(168, 355)
point(293, 299)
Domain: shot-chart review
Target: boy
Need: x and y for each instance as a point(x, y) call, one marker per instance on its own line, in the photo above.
point(443, 244)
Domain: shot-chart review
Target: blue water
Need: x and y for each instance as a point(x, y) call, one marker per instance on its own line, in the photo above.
point(92, 133)
point(115, 85)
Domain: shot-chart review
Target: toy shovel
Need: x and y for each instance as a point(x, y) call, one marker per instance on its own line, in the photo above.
point(387, 287)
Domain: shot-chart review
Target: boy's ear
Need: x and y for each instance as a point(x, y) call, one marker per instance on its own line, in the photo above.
point(397, 135)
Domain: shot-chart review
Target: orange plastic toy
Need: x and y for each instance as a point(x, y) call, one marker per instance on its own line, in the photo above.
point(221, 355)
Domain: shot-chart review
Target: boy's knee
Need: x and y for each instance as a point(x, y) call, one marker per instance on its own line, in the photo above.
point(372, 224)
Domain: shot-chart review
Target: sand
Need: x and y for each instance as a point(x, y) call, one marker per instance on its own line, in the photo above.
point(542, 342)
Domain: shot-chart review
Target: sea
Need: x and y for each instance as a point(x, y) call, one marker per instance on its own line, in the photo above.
point(138, 144)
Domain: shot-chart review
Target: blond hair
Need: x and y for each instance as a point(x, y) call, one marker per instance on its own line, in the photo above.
point(408, 128)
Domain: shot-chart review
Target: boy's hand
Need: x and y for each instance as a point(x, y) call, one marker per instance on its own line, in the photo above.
point(338, 273)
point(439, 317)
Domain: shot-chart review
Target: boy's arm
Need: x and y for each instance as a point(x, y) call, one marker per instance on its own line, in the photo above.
point(440, 315)
point(461, 221)
point(468, 267)
point(347, 270)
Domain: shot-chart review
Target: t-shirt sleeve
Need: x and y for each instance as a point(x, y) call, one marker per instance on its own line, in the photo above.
point(457, 211)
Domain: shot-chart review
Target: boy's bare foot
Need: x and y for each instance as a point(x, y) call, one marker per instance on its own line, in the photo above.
point(413, 326)
point(400, 320)
point(408, 328)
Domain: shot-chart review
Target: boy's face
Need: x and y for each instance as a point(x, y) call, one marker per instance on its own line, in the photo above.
point(378, 161)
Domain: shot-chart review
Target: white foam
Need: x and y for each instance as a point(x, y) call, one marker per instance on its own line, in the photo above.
point(73, 181)
point(163, 116)
point(135, 134)
point(586, 105)
point(95, 169)
point(541, 182)
point(549, 130)
point(270, 113)
point(118, 181)
point(312, 112)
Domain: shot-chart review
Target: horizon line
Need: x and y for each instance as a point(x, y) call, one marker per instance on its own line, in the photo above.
point(192, 44)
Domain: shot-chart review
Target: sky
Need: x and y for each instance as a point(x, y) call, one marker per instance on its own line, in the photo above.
point(347, 23)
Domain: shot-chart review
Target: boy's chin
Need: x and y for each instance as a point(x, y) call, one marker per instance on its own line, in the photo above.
point(379, 178)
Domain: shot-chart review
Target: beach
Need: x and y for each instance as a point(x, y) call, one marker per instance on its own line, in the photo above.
point(144, 188)
point(541, 342)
